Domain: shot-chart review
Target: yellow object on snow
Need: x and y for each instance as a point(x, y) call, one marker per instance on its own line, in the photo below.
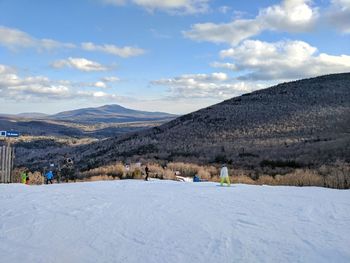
point(23, 178)
point(225, 179)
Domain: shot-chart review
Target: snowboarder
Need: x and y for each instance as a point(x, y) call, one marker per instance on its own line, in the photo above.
point(224, 175)
point(49, 177)
point(147, 173)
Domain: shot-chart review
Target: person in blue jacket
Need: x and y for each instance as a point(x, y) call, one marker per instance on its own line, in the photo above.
point(49, 177)
point(196, 178)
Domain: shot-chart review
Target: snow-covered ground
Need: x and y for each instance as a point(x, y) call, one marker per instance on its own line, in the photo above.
point(166, 221)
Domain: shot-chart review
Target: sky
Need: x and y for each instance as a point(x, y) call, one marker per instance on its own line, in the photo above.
point(174, 56)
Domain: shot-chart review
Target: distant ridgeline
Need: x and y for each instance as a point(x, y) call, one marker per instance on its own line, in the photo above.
point(101, 122)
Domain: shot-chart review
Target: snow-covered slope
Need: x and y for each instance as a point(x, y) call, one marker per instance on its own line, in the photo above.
point(164, 221)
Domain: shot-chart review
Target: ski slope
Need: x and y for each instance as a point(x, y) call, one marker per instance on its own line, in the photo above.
point(167, 221)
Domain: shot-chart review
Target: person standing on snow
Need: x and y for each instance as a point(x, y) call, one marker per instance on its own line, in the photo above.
point(147, 173)
point(24, 177)
point(49, 177)
point(224, 175)
point(27, 178)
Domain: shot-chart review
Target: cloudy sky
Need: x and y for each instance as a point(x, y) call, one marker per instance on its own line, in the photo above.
point(162, 55)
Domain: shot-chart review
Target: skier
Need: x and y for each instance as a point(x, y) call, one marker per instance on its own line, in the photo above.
point(49, 177)
point(147, 173)
point(224, 175)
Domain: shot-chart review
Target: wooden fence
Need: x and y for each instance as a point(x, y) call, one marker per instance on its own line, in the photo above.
point(7, 156)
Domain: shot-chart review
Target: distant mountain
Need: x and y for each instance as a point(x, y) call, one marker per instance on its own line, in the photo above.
point(29, 115)
point(32, 115)
point(105, 114)
point(110, 113)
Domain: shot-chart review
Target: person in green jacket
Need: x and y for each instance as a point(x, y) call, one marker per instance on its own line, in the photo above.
point(24, 176)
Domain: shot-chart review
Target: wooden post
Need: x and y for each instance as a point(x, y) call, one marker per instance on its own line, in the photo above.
point(7, 160)
point(6, 164)
point(7, 155)
point(12, 164)
point(9, 165)
point(2, 164)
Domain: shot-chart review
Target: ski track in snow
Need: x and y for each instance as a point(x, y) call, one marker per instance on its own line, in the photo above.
point(166, 221)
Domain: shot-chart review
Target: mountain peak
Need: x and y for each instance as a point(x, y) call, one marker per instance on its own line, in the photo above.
point(110, 113)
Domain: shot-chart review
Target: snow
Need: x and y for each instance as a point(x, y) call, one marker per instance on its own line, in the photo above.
point(167, 221)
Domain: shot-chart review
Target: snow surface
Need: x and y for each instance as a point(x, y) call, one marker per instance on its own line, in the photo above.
point(166, 221)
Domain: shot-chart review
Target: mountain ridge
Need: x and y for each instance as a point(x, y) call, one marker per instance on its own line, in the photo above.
point(106, 113)
point(304, 120)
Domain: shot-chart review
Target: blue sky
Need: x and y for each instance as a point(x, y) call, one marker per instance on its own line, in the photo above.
point(162, 55)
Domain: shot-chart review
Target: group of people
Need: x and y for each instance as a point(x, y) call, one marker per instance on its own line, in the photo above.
point(224, 178)
point(48, 177)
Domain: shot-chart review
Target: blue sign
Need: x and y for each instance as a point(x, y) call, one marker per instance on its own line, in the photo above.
point(9, 133)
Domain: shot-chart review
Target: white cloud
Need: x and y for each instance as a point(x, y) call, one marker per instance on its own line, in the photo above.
point(6, 69)
point(115, 2)
point(81, 64)
point(100, 84)
point(342, 3)
point(14, 39)
point(175, 6)
point(225, 65)
point(34, 88)
point(216, 76)
point(14, 87)
point(339, 15)
point(289, 16)
point(283, 60)
point(215, 85)
point(40, 89)
point(224, 9)
point(114, 50)
point(231, 33)
point(110, 79)
point(170, 6)
point(97, 95)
